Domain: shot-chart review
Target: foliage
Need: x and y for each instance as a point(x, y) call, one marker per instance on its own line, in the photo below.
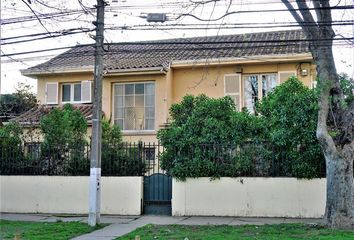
point(64, 144)
point(291, 119)
point(200, 130)
point(20, 101)
point(43, 230)
point(347, 86)
point(209, 138)
point(10, 146)
point(117, 159)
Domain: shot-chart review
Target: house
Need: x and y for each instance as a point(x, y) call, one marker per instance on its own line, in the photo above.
point(142, 79)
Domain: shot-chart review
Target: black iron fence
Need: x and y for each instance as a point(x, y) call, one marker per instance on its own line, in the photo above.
point(139, 159)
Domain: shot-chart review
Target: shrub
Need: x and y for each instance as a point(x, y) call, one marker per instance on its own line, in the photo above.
point(119, 159)
point(290, 114)
point(11, 153)
point(202, 138)
point(63, 149)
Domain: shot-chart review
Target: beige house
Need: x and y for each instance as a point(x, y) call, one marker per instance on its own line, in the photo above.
point(142, 79)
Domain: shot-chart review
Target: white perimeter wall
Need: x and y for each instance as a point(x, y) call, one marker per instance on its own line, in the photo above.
point(63, 194)
point(251, 197)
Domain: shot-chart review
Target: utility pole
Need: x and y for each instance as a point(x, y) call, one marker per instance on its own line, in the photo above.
point(95, 166)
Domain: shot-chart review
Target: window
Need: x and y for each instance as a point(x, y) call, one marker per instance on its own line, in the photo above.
point(134, 106)
point(149, 154)
point(71, 92)
point(256, 87)
point(33, 150)
point(79, 92)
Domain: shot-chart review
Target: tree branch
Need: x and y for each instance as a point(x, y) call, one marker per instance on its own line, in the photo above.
point(35, 14)
point(307, 17)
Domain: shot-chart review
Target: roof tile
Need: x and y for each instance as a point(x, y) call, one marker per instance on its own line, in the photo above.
point(136, 55)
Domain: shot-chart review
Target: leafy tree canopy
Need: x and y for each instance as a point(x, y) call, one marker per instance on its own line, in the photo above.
point(22, 100)
point(63, 126)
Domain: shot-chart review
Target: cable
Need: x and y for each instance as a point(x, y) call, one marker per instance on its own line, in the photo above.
point(265, 10)
point(283, 43)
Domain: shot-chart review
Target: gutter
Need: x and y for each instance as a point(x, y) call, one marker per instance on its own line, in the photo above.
point(33, 74)
point(242, 60)
point(135, 71)
point(113, 72)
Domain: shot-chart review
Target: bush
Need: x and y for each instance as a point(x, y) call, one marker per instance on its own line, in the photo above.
point(208, 138)
point(63, 149)
point(202, 139)
point(11, 154)
point(290, 114)
point(119, 159)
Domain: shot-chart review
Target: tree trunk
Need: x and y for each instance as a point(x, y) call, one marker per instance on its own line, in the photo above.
point(339, 157)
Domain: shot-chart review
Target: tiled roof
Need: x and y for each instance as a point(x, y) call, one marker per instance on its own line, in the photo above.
point(158, 54)
point(33, 116)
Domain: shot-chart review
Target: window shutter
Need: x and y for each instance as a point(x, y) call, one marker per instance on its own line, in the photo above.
point(86, 91)
point(283, 76)
point(51, 93)
point(233, 88)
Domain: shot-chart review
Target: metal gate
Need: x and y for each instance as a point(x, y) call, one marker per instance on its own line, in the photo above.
point(157, 184)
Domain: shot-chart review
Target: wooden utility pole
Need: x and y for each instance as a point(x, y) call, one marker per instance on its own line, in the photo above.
point(95, 168)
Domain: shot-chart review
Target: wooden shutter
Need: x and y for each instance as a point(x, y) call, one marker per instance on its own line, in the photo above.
point(51, 93)
point(232, 86)
point(86, 91)
point(283, 76)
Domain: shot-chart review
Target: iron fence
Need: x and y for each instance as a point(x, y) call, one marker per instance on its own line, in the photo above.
point(257, 159)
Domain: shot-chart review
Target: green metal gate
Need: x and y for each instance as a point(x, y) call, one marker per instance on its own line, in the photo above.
point(157, 184)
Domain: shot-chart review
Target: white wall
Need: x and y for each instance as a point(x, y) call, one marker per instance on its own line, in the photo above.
point(64, 194)
point(249, 197)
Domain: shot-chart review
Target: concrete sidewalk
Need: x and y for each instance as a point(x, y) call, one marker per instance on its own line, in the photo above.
point(121, 225)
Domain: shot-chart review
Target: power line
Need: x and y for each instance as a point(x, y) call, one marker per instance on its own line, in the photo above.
point(264, 11)
point(54, 34)
point(283, 43)
point(71, 12)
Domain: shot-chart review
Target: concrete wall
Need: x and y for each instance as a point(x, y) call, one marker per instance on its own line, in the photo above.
point(249, 197)
point(63, 194)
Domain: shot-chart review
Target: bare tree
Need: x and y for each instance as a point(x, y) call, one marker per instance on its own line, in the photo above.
point(335, 125)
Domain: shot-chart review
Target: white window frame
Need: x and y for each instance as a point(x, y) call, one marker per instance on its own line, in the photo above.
point(72, 87)
point(143, 131)
point(234, 94)
point(260, 84)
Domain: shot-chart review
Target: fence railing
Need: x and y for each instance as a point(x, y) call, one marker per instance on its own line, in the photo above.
point(257, 159)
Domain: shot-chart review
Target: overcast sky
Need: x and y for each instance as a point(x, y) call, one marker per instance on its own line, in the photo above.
point(125, 17)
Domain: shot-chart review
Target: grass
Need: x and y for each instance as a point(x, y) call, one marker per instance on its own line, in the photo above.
point(43, 230)
point(246, 232)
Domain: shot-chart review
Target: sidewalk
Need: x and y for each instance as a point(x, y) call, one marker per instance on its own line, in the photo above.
point(121, 225)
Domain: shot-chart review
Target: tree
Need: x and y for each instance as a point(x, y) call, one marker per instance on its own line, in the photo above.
point(22, 100)
point(335, 124)
point(290, 115)
point(10, 148)
point(204, 137)
point(117, 158)
point(64, 144)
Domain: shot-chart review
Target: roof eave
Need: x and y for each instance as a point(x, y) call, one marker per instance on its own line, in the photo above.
point(243, 60)
point(34, 73)
point(111, 72)
point(135, 71)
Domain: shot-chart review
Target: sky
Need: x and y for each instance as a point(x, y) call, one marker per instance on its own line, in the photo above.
point(124, 22)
